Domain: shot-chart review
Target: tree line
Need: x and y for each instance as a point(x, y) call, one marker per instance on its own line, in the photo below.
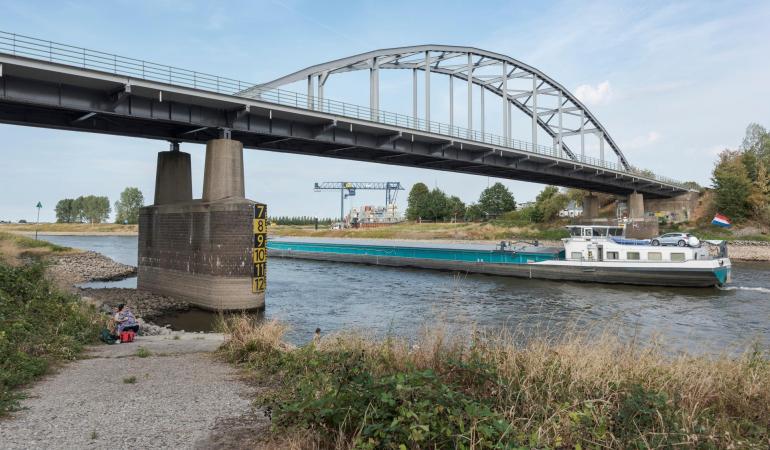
point(435, 205)
point(741, 178)
point(96, 209)
point(299, 220)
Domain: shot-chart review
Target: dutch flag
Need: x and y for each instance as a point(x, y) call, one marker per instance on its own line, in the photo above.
point(721, 221)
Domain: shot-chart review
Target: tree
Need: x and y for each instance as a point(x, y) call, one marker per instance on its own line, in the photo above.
point(127, 208)
point(436, 206)
point(94, 209)
point(732, 185)
point(455, 208)
point(548, 203)
point(473, 212)
point(496, 200)
point(417, 201)
point(759, 193)
point(66, 211)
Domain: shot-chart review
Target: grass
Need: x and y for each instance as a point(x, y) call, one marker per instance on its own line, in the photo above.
point(71, 227)
point(142, 352)
point(13, 248)
point(39, 327)
point(129, 380)
point(479, 390)
point(493, 231)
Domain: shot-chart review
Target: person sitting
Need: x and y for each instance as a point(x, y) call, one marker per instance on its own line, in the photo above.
point(125, 320)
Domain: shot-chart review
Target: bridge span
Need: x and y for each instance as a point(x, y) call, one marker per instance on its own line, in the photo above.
point(211, 251)
point(54, 85)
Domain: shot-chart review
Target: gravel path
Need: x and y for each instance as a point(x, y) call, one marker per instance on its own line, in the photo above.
point(182, 398)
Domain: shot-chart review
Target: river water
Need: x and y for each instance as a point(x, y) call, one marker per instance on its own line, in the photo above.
point(399, 301)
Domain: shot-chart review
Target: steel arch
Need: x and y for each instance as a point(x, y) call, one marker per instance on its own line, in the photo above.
point(443, 59)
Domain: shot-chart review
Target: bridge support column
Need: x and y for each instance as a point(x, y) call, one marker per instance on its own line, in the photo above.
point(173, 182)
point(223, 173)
point(590, 207)
point(200, 251)
point(635, 206)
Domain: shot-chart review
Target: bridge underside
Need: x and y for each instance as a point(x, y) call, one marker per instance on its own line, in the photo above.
point(35, 93)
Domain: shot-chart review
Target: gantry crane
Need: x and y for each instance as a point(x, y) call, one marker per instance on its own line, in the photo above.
point(391, 189)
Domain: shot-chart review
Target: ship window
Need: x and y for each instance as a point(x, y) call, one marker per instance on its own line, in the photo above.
point(587, 231)
point(655, 256)
point(616, 232)
point(632, 255)
point(600, 232)
point(677, 257)
point(612, 255)
point(575, 231)
point(577, 255)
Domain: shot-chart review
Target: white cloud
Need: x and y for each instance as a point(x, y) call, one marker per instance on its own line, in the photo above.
point(642, 141)
point(590, 95)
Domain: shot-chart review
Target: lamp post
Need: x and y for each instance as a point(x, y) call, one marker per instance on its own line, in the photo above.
point(37, 222)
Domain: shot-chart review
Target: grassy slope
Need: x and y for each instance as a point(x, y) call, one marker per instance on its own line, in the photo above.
point(39, 325)
point(410, 230)
point(71, 227)
point(471, 390)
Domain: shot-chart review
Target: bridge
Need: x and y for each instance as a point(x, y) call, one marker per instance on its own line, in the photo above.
point(201, 249)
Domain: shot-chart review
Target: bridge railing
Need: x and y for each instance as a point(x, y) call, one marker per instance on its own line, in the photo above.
point(30, 47)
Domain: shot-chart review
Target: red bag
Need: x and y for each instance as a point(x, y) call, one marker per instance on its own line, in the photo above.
point(127, 336)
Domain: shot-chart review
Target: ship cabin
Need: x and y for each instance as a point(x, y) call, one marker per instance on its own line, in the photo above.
point(609, 244)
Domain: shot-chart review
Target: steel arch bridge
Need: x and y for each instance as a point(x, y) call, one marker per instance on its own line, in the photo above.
point(491, 72)
point(54, 85)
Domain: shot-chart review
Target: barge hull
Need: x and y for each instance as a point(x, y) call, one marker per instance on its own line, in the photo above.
point(651, 276)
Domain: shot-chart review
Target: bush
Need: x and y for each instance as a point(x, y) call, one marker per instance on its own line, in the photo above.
point(38, 325)
point(490, 391)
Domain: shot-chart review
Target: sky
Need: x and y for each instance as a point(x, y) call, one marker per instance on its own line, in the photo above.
point(673, 82)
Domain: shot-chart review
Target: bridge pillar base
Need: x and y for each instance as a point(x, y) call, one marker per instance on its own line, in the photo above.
point(635, 206)
point(173, 182)
point(199, 251)
point(590, 207)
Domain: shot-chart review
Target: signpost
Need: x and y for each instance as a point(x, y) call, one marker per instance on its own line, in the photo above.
point(37, 222)
point(259, 252)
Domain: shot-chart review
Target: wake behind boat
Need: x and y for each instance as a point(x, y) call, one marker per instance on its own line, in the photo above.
point(598, 254)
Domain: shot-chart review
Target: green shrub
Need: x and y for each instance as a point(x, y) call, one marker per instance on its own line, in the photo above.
point(38, 325)
point(142, 352)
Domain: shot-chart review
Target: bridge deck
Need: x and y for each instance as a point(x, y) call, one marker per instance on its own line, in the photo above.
point(53, 95)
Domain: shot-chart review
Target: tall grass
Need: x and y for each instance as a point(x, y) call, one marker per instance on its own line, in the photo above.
point(39, 325)
point(486, 390)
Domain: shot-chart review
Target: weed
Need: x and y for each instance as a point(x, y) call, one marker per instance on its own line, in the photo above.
point(94, 435)
point(176, 337)
point(142, 352)
point(39, 325)
point(485, 390)
point(130, 380)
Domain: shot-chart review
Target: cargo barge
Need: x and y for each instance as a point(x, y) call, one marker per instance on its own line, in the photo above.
point(591, 254)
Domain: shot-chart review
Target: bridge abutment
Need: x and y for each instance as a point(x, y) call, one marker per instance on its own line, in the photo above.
point(200, 250)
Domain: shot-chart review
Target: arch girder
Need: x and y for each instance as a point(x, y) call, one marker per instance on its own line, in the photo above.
point(448, 60)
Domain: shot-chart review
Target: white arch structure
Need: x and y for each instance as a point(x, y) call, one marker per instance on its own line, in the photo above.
point(491, 71)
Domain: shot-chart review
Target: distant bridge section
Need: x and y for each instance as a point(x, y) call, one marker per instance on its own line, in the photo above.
point(53, 85)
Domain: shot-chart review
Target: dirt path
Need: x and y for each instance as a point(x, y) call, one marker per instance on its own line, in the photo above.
point(182, 397)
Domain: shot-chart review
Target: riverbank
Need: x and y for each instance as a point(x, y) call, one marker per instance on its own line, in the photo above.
point(71, 229)
point(452, 389)
point(167, 390)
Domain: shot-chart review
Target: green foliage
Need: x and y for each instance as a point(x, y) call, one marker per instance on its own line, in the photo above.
point(38, 325)
point(731, 185)
point(129, 380)
point(300, 220)
point(417, 201)
point(91, 209)
point(340, 392)
point(142, 352)
point(456, 208)
point(127, 208)
point(26, 242)
point(496, 200)
point(647, 419)
point(473, 213)
point(549, 202)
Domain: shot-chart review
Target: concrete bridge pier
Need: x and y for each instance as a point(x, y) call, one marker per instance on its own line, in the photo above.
point(635, 206)
point(200, 250)
point(590, 207)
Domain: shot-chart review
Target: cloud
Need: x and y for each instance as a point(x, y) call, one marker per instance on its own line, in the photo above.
point(642, 141)
point(590, 95)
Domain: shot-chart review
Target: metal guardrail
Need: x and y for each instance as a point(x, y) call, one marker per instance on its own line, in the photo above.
point(29, 47)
